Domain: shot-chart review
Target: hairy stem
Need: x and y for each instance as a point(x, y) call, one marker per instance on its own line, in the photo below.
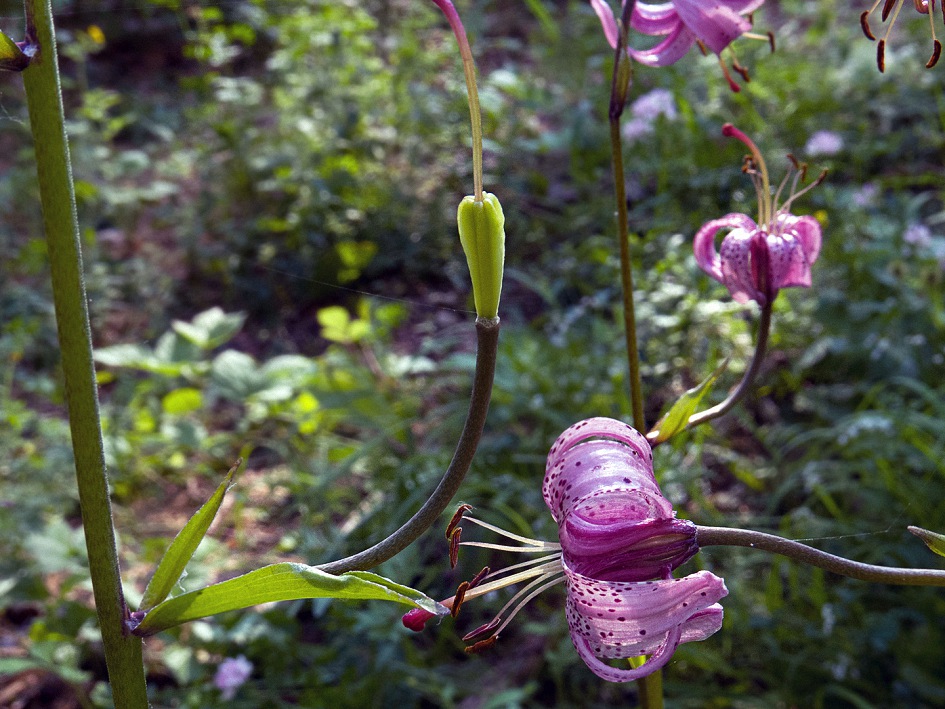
point(725, 536)
point(487, 332)
point(123, 654)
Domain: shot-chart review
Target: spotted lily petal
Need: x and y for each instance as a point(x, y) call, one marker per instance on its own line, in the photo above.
point(704, 242)
point(618, 620)
point(740, 272)
point(593, 477)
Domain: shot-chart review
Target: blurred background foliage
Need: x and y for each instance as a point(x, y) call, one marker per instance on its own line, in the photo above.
point(267, 193)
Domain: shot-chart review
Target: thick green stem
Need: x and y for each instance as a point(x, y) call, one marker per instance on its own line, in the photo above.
point(650, 688)
point(487, 332)
point(620, 85)
point(123, 654)
point(725, 536)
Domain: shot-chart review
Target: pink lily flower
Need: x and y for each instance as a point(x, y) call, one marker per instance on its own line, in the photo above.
point(619, 542)
point(758, 259)
point(714, 24)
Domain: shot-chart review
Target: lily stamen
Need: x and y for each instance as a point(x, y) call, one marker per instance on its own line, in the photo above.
point(925, 7)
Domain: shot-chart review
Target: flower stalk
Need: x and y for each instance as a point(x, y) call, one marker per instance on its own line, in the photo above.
point(123, 651)
point(726, 536)
point(620, 86)
point(487, 333)
point(469, 70)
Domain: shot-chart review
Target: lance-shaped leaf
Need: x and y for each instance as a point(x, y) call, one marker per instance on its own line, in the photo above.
point(279, 582)
point(935, 542)
point(179, 553)
point(685, 406)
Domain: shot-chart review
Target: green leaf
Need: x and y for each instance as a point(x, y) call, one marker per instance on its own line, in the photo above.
point(179, 553)
point(279, 582)
point(934, 541)
point(182, 401)
point(211, 328)
point(678, 415)
point(236, 375)
point(338, 326)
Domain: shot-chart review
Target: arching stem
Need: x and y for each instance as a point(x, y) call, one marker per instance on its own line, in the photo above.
point(725, 536)
point(487, 332)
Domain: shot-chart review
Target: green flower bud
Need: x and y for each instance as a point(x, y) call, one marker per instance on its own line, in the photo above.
point(482, 234)
point(935, 542)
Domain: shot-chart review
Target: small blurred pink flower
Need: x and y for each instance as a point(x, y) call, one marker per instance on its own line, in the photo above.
point(824, 142)
point(646, 110)
point(865, 196)
point(756, 260)
point(917, 235)
point(231, 675)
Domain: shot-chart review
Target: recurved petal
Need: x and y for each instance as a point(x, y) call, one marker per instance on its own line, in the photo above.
point(716, 23)
point(654, 19)
point(669, 51)
point(703, 245)
point(603, 480)
point(607, 20)
point(618, 620)
point(807, 230)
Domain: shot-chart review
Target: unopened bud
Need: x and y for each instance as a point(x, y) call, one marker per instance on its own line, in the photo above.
point(482, 234)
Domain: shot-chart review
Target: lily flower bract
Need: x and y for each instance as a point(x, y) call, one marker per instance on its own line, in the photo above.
point(619, 542)
point(757, 259)
point(713, 24)
point(925, 7)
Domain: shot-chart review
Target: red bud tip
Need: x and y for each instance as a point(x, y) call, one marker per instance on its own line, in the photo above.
point(415, 619)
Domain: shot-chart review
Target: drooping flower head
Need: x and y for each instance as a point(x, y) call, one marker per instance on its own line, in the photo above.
point(619, 542)
point(713, 24)
point(757, 259)
point(925, 7)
